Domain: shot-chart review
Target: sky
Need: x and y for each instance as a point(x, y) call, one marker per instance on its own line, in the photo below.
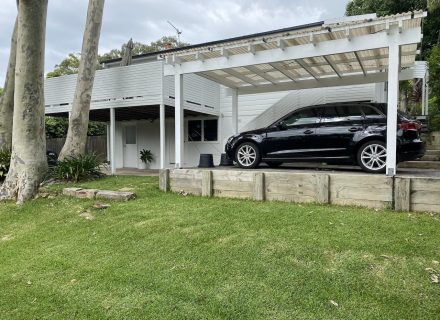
point(146, 21)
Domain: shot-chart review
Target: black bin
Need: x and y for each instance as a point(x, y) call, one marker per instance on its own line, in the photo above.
point(206, 160)
point(225, 161)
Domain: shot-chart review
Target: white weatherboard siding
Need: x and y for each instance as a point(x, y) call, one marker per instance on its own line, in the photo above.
point(130, 86)
point(199, 94)
point(308, 97)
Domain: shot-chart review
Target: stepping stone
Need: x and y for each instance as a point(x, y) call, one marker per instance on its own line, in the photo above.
point(115, 195)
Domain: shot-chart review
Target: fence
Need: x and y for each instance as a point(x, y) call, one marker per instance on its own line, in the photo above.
point(95, 144)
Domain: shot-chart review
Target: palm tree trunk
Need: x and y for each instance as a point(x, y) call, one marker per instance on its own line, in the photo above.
point(79, 119)
point(28, 160)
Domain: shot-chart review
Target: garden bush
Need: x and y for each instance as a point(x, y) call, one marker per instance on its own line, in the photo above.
point(5, 159)
point(77, 168)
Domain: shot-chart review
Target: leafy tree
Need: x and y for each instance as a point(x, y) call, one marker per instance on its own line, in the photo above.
point(141, 48)
point(1, 91)
point(387, 7)
point(69, 65)
point(434, 71)
point(56, 127)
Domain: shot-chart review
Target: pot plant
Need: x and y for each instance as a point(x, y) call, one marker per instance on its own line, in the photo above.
point(146, 157)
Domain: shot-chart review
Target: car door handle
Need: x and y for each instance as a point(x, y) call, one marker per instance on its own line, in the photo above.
point(308, 131)
point(354, 129)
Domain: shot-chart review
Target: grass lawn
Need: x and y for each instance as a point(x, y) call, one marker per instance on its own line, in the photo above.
point(166, 256)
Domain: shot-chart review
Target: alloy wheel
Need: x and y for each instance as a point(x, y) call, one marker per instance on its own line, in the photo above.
point(374, 157)
point(246, 155)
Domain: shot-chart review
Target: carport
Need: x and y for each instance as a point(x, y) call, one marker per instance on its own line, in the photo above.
point(351, 50)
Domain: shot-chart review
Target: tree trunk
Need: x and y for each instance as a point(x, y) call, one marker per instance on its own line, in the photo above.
point(7, 98)
point(28, 160)
point(79, 119)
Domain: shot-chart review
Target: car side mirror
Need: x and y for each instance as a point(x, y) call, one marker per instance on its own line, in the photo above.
point(282, 125)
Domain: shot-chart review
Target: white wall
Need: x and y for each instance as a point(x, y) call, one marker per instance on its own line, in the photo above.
point(254, 111)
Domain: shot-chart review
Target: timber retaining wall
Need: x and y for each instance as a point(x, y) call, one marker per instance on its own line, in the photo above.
point(373, 191)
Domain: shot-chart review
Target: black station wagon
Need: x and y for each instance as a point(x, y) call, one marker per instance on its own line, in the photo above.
point(337, 133)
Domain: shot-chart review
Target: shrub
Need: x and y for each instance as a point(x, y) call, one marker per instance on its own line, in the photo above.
point(146, 156)
point(5, 159)
point(434, 114)
point(77, 168)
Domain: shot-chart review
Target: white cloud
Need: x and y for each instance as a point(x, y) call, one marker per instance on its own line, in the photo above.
point(146, 21)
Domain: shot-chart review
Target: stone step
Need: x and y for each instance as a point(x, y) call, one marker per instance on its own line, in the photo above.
point(432, 152)
point(428, 157)
point(420, 164)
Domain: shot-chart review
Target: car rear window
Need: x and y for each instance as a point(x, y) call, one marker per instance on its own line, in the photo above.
point(372, 113)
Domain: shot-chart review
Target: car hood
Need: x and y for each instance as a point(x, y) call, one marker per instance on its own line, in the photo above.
point(255, 131)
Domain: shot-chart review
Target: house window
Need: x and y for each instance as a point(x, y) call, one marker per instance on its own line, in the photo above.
point(203, 130)
point(195, 130)
point(210, 130)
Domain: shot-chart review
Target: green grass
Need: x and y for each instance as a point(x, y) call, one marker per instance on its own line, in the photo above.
point(166, 256)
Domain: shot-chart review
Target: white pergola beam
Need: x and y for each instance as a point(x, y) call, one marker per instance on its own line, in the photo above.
point(333, 66)
point(261, 74)
point(360, 43)
point(360, 63)
point(347, 80)
point(240, 76)
point(306, 67)
point(281, 69)
point(219, 79)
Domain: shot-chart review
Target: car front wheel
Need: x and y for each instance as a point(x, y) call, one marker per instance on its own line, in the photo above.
point(247, 155)
point(372, 156)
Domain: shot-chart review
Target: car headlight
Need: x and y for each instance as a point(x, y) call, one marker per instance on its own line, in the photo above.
point(230, 139)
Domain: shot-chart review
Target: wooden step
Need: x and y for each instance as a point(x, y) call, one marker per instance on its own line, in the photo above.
point(420, 164)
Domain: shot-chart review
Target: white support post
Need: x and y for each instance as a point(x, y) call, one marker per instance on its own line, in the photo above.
point(393, 96)
point(178, 119)
point(112, 141)
point(162, 135)
point(234, 111)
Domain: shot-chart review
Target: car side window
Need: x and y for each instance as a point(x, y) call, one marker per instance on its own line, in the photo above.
point(340, 113)
point(302, 117)
point(372, 113)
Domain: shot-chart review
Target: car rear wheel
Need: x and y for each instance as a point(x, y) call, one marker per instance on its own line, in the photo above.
point(247, 155)
point(372, 156)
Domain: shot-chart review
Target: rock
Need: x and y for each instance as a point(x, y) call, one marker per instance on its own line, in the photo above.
point(115, 195)
point(71, 191)
point(43, 195)
point(8, 237)
point(87, 215)
point(86, 193)
point(100, 205)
